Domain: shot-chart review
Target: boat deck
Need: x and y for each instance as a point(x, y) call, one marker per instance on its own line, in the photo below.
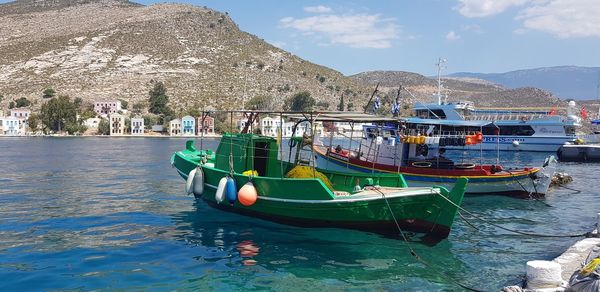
point(388, 192)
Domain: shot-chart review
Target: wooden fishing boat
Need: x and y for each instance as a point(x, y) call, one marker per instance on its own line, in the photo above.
point(369, 202)
point(387, 149)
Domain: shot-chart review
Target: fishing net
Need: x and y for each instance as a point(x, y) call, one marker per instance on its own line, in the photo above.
point(301, 171)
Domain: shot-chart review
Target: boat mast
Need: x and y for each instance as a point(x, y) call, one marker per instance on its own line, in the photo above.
point(441, 65)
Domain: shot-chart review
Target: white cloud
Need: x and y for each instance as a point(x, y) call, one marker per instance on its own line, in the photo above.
point(452, 36)
point(472, 28)
point(317, 9)
point(356, 30)
point(483, 8)
point(564, 18)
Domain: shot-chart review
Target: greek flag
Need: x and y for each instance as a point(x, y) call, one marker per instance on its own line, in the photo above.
point(395, 108)
point(376, 104)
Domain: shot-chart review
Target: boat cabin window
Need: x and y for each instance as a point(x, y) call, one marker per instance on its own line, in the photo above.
point(430, 114)
point(570, 130)
point(373, 132)
point(509, 131)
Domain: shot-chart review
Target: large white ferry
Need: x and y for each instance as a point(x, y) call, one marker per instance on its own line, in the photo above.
point(512, 130)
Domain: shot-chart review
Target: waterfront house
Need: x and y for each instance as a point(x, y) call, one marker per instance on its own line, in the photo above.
point(188, 126)
point(117, 124)
point(107, 107)
point(175, 127)
point(137, 126)
point(20, 113)
point(209, 126)
point(11, 126)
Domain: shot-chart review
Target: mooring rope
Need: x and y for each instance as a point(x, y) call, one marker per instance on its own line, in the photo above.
point(505, 228)
point(525, 189)
point(414, 253)
point(575, 191)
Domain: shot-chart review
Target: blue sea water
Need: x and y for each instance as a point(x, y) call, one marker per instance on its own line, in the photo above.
point(111, 213)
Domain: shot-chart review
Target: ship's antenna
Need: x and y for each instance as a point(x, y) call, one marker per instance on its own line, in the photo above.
point(598, 93)
point(441, 65)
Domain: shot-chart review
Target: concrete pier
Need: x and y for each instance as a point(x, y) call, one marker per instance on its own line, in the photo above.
point(569, 261)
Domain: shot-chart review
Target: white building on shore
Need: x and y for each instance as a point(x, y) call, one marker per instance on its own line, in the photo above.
point(117, 124)
point(137, 126)
point(92, 123)
point(271, 127)
point(175, 127)
point(107, 107)
point(11, 126)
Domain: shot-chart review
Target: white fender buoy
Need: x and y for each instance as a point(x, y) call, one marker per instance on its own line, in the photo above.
point(198, 182)
point(515, 143)
point(220, 194)
point(190, 181)
point(543, 274)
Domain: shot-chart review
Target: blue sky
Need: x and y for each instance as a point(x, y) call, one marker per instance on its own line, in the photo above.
point(473, 35)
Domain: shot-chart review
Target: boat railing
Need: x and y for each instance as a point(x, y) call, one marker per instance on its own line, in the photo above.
point(505, 117)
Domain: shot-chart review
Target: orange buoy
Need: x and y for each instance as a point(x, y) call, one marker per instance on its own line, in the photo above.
point(479, 137)
point(247, 194)
point(421, 140)
point(469, 140)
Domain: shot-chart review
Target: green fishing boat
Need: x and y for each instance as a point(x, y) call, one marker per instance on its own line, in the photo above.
point(378, 203)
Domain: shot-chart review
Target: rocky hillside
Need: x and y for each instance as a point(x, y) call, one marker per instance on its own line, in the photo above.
point(481, 92)
point(116, 49)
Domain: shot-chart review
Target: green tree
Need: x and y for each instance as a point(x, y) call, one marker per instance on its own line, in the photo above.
point(48, 93)
point(194, 112)
point(341, 104)
point(78, 102)
point(75, 128)
point(149, 121)
point(127, 128)
point(223, 123)
point(301, 101)
point(260, 102)
point(22, 102)
point(158, 99)
point(350, 107)
point(57, 113)
point(11, 105)
point(33, 121)
point(103, 127)
point(124, 103)
point(322, 105)
point(137, 108)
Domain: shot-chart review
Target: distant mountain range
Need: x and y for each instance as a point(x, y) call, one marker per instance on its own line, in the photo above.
point(566, 82)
